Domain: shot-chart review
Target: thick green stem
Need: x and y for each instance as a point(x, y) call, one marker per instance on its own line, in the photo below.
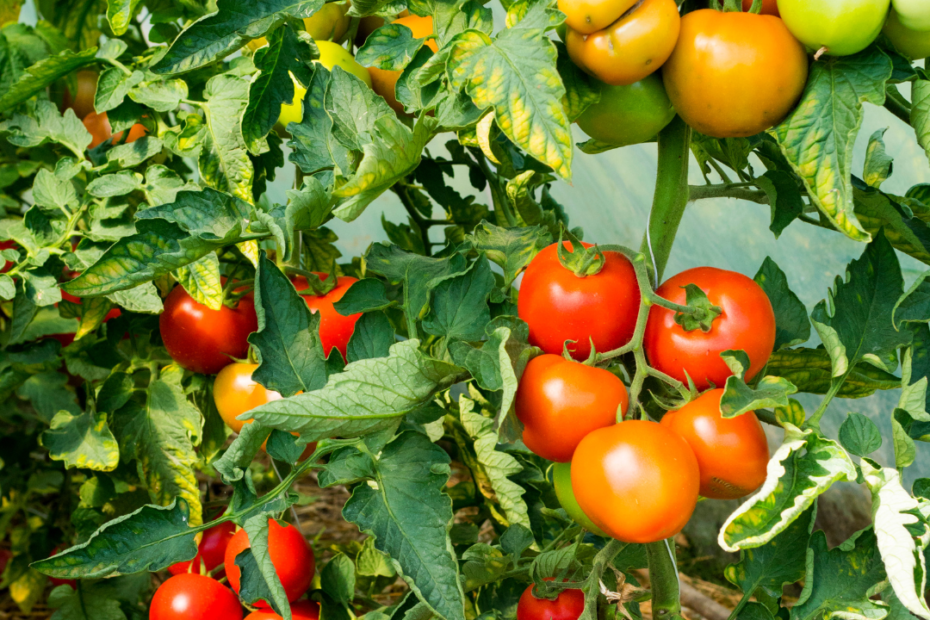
point(897, 104)
point(814, 420)
point(592, 588)
point(727, 190)
point(663, 577)
point(671, 195)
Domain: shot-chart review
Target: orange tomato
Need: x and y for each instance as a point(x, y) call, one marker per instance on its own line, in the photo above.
point(587, 16)
point(630, 48)
point(637, 481)
point(335, 329)
point(99, 127)
point(769, 7)
point(384, 81)
point(83, 101)
point(734, 75)
point(732, 454)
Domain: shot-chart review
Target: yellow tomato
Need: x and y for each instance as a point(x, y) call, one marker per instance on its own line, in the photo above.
point(332, 55)
point(293, 112)
point(329, 23)
point(915, 44)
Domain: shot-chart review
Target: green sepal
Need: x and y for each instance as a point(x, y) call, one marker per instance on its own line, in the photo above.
point(703, 319)
point(581, 261)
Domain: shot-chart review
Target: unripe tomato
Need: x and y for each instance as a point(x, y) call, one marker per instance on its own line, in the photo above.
point(330, 23)
point(915, 44)
point(843, 27)
point(913, 14)
point(732, 454)
point(190, 596)
point(587, 16)
point(562, 481)
point(335, 329)
point(301, 610)
point(769, 7)
point(747, 322)
point(558, 305)
point(637, 481)
point(83, 101)
point(211, 550)
point(628, 114)
point(290, 554)
point(7, 245)
point(559, 402)
point(734, 74)
point(569, 605)
point(384, 81)
point(632, 47)
point(205, 340)
point(293, 112)
point(99, 127)
point(332, 54)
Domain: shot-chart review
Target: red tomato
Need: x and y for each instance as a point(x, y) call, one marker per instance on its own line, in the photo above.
point(335, 329)
point(205, 340)
point(559, 402)
point(190, 596)
point(769, 7)
point(567, 606)
point(560, 306)
point(732, 454)
point(99, 127)
point(747, 323)
point(7, 245)
point(301, 610)
point(637, 481)
point(290, 554)
point(211, 550)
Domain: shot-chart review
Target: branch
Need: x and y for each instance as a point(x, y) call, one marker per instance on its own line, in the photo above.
point(897, 104)
point(727, 190)
point(663, 578)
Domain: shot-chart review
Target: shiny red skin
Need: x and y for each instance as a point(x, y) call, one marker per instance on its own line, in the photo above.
point(194, 597)
point(301, 610)
point(335, 329)
point(7, 245)
point(567, 606)
point(211, 550)
point(290, 554)
point(747, 323)
point(205, 340)
point(558, 305)
point(560, 401)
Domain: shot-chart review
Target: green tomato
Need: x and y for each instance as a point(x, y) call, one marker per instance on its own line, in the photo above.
point(628, 114)
point(914, 44)
point(843, 27)
point(332, 54)
point(330, 23)
point(562, 479)
point(913, 14)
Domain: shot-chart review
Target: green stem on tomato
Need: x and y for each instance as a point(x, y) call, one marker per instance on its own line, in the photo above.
point(897, 104)
point(592, 587)
point(663, 577)
point(742, 191)
point(421, 223)
point(814, 420)
point(502, 211)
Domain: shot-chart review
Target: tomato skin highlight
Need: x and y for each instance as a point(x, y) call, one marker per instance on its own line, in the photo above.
point(211, 550)
point(562, 481)
point(559, 402)
point(290, 554)
point(733, 75)
point(632, 47)
point(569, 605)
point(844, 27)
point(301, 610)
point(747, 323)
point(204, 340)
point(915, 44)
point(732, 454)
point(190, 596)
point(630, 114)
point(587, 16)
point(637, 481)
point(335, 329)
point(558, 305)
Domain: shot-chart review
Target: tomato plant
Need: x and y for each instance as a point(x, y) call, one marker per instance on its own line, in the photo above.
point(568, 605)
point(210, 552)
point(301, 610)
point(836, 28)
point(191, 596)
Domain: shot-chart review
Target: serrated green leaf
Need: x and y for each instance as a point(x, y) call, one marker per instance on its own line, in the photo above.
point(119, 14)
point(259, 579)
point(143, 298)
point(160, 95)
point(163, 184)
point(914, 305)
point(859, 435)
point(738, 398)
point(879, 211)
point(459, 305)
point(373, 337)
point(410, 92)
point(49, 394)
point(224, 160)
point(818, 138)
point(41, 74)
point(390, 47)
point(112, 87)
point(47, 126)
point(878, 164)
point(510, 248)
point(82, 441)
point(313, 145)
point(201, 279)
point(71, 604)
point(791, 324)
point(109, 185)
point(781, 188)
point(905, 452)
point(134, 153)
point(366, 295)
point(920, 112)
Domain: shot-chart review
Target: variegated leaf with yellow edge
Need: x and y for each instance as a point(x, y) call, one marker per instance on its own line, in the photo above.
point(83, 441)
point(224, 159)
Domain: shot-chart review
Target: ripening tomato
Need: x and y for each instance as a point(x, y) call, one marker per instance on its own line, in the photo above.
point(335, 329)
point(205, 340)
point(632, 47)
point(562, 481)
point(628, 114)
point(747, 322)
point(913, 14)
point(637, 481)
point(83, 101)
point(558, 305)
point(293, 112)
point(190, 596)
point(384, 81)
point(560, 401)
point(234, 393)
point(734, 74)
point(330, 23)
point(732, 454)
point(7, 245)
point(301, 610)
point(569, 605)
point(290, 554)
point(915, 44)
point(99, 127)
point(588, 16)
point(210, 552)
point(769, 7)
point(839, 27)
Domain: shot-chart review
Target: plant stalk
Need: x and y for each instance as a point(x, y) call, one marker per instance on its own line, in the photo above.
point(663, 578)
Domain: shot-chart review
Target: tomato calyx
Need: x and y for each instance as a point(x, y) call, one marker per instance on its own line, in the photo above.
point(581, 261)
point(703, 312)
point(316, 286)
point(736, 6)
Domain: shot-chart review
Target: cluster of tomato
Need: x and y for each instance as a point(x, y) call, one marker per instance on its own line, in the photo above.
point(97, 124)
point(639, 481)
point(728, 74)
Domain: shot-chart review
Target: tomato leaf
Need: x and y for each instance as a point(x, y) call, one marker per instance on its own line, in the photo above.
point(314, 147)
point(47, 126)
point(373, 337)
point(414, 534)
point(219, 34)
point(259, 580)
point(151, 538)
point(390, 47)
point(363, 296)
point(511, 249)
point(739, 398)
point(224, 160)
point(112, 87)
point(160, 95)
point(920, 113)
point(201, 279)
point(82, 440)
point(49, 394)
point(781, 188)
point(119, 14)
point(234, 463)
point(459, 305)
point(516, 74)
point(408, 89)
point(110, 185)
point(41, 74)
point(134, 153)
point(803, 468)
point(859, 435)
point(581, 90)
point(792, 326)
point(818, 137)
point(914, 305)
point(878, 164)
point(877, 210)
